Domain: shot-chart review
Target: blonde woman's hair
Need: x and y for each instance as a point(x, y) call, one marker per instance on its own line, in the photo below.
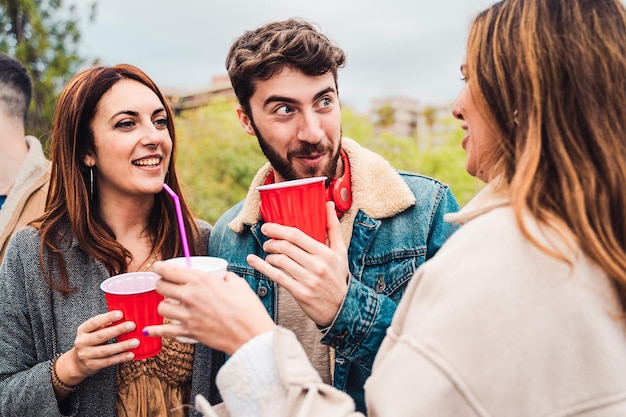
point(551, 77)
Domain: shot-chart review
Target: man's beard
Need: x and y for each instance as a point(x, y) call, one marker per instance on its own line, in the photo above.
point(285, 169)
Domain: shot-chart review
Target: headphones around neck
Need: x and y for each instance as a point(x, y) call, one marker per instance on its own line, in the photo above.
point(340, 189)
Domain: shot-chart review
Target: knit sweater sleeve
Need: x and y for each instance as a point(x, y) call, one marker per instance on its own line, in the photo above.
point(250, 377)
point(25, 384)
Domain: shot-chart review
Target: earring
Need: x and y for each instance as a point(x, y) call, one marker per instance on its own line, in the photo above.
point(90, 183)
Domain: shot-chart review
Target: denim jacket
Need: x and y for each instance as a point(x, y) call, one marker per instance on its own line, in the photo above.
point(394, 225)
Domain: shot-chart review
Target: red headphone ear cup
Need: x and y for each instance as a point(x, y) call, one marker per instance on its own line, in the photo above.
point(340, 189)
point(342, 195)
point(339, 192)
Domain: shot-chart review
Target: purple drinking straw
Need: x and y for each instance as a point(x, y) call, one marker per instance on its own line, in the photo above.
point(181, 223)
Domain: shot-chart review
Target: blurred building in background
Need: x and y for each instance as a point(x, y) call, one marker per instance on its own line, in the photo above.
point(185, 99)
point(405, 117)
point(396, 115)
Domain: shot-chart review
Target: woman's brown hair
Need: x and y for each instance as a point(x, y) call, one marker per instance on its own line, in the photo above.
point(70, 207)
point(550, 76)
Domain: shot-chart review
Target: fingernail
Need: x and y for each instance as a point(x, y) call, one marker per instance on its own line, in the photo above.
point(118, 314)
point(130, 356)
point(134, 343)
point(130, 325)
point(145, 332)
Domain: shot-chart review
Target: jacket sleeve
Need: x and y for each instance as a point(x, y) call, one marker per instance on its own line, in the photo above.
point(360, 325)
point(362, 320)
point(440, 230)
point(271, 375)
point(25, 384)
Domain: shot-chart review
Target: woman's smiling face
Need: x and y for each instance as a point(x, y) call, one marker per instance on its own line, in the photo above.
point(131, 140)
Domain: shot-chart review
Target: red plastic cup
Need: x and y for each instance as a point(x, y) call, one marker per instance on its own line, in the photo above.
point(297, 203)
point(135, 295)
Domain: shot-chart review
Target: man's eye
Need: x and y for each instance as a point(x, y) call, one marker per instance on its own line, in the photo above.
point(284, 110)
point(326, 102)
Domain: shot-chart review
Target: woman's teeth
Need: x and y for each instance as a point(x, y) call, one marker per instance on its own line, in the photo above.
point(151, 162)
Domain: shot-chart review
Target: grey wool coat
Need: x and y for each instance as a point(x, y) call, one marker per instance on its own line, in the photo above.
point(37, 323)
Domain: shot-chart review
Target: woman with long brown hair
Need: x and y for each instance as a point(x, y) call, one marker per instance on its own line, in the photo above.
point(521, 312)
point(112, 149)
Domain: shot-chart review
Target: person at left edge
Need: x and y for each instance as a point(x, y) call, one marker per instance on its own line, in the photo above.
point(113, 147)
point(24, 169)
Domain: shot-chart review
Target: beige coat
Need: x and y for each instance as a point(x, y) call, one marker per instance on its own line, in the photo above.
point(27, 199)
point(491, 326)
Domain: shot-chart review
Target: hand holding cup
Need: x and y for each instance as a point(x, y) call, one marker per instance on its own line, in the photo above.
point(214, 267)
point(297, 203)
point(220, 313)
point(134, 293)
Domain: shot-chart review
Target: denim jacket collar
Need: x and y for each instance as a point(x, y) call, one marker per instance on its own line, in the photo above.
point(377, 190)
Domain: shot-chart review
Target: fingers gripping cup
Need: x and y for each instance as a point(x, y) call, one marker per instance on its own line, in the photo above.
point(297, 203)
point(135, 295)
point(215, 267)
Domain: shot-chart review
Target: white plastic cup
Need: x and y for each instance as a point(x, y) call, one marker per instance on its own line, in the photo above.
point(216, 267)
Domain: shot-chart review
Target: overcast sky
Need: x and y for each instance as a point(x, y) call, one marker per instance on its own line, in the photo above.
point(409, 48)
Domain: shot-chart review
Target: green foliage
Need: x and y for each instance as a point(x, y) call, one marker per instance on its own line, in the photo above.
point(216, 159)
point(429, 114)
point(437, 156)
point(386, 116)
point(44, 36)
point(354, 125)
